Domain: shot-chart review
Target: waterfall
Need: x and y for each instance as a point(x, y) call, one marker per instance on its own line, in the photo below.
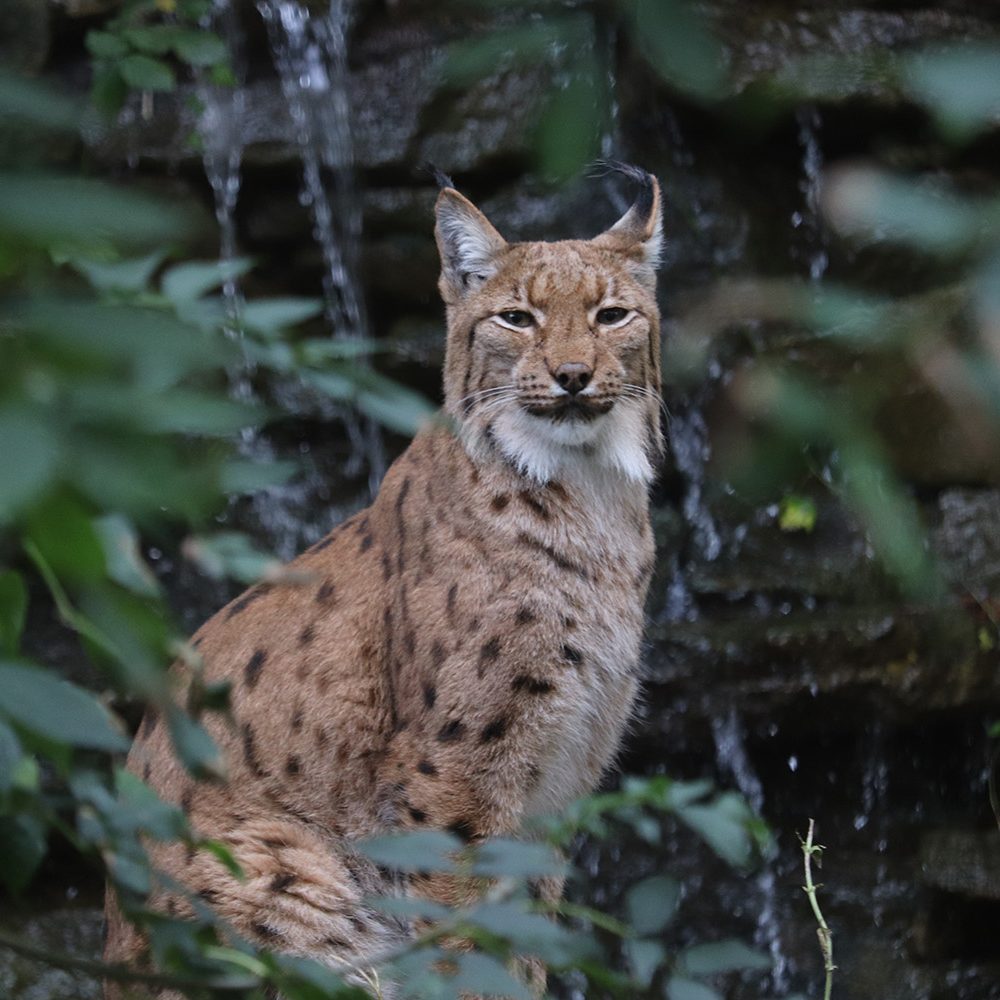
point(811, 221)
point(691, 450)
point(309, 51)
point(310, 55)
point(220, 131)
point(731, 755)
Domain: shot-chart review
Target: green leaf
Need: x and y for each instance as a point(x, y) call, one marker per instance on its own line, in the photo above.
point(129, 872)
point(480, 974)
point(644, 958)
point(422, 974)
point(229, 554)
point(13, 611)
point(681, 988)
point(41, 209)
point(323, 982)
point(108, 90)
point(270, 316)
point(334, 384)
point(676, 40)
point(120, 276)
point(961, 86)
point(192, 279)
point(31, 459)
point(199, 48)
point(57, 710)
point(22, 847)
point(399, 409)
point(239, 476)
point(195, 748)
point(224, 855)
point(531, 933)
point(147, 73)
point(10, 755)
point(105, 45)
point(172, 410)
point(157, 39)
point(723, 824)
point(501, 858)
point(411, 907)
point(797, 513)
point(37, 102)
point(63, 532)
point(722, 956)
point(924, 215)
point(124, 560)
point(154, 349)
point(568, 134)
point(652, 903)
point(471, 59)
point(139, 808)
point(222, 75)
point(424, 850)
point(318, 351)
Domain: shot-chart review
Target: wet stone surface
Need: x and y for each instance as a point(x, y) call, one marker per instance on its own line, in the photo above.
point(77, 931)
point(786, 665)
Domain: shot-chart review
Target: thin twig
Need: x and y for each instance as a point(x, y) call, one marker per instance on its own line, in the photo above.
point(811, 850)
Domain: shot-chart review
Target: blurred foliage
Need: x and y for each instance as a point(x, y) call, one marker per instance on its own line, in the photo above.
point(507, 921)
point(147, 42)
point(117, 422)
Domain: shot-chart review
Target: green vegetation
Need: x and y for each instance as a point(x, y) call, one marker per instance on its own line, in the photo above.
point(118, 423)
point(144, 45)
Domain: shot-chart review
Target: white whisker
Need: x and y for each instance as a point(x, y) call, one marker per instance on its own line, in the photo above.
point(469, 401)
point(497, 403)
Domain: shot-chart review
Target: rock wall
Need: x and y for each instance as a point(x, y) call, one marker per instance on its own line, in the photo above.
point(787, 664)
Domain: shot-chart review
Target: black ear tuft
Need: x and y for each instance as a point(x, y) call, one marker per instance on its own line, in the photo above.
point(645, 181)
point(440, 177)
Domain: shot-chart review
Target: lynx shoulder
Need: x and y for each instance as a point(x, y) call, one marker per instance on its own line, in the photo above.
point(465, 653)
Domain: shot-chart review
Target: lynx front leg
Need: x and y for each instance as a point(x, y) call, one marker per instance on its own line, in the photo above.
point(302, 893)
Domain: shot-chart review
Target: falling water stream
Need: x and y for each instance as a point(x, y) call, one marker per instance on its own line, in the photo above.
point(310, 55)
point(309, 51)
point(810, 221)
point(732, 757)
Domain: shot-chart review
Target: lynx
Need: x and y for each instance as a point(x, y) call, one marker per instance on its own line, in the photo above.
point(466, 653)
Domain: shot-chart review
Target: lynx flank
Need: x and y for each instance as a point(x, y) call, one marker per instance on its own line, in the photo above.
point(467, 652)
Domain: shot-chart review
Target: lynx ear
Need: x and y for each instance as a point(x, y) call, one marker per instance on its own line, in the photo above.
point(468, 244)
point(639, 232)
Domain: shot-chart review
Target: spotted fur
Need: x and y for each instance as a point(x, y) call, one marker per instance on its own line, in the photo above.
point(463, 654)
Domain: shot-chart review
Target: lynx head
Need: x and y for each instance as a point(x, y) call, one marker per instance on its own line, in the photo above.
point(553, 353)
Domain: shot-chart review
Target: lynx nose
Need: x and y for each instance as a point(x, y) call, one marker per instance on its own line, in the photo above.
point(574, 376)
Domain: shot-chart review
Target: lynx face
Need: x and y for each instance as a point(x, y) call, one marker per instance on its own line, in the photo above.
point(553, 348)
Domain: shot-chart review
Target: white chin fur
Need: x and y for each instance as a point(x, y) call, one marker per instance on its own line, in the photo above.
point(544, 450)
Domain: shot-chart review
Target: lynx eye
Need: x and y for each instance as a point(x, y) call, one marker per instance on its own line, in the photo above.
point(611, 315)
point(518, 318)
